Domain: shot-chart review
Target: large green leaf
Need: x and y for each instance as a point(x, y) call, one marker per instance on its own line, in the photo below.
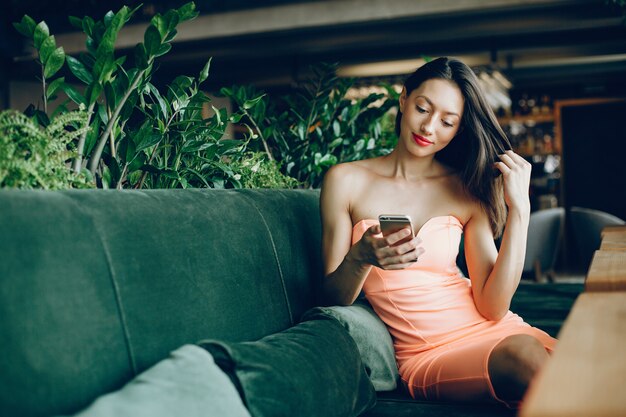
point(76, 22)
point(126, 150)
point(187, 11)
point(40, 34)
point(54, 63)
point(199, 176)
point(163, 49)
point(107, 44)
point(92, 134)
point(248, 104)
point(170, 36)
point(149, 139)
point(54, 86)
point(161, 102)
point(152, 40)
point(159, 22)
point(104, 67)
point(129, 106)
point(138, 160)
point(47, 48)
point(141, 57)
point(171, 19)
point(108, 18)
point(88, 26)
point(167, 23)
point(93, 92)
point(204, 74)
point(79, 70)
point(110, 95)
point(26, 27)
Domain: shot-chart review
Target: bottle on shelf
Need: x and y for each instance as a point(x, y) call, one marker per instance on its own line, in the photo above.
point(546, 106)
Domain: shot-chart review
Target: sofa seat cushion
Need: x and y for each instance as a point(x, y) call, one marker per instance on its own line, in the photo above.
point(399, 404)
point(371, 337)
point(187, 383)
point(312, 369)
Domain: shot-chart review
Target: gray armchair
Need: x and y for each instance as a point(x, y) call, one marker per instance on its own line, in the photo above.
point(587, 225)
point(544, 236)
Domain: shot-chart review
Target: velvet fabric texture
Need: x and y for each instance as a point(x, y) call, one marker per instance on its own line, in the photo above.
point(371, 337)
point(187, 383)
point(312, 369)
point(98, 285)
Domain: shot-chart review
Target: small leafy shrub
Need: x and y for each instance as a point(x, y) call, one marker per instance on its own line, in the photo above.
point(35, 157)
point(257, 171)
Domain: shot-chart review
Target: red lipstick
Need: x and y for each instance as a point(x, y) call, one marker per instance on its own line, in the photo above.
point(421, 140)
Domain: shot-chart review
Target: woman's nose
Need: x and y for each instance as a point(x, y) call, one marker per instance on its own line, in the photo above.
point(427, 126)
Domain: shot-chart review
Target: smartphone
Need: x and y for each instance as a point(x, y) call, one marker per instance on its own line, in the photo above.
point(391, 223)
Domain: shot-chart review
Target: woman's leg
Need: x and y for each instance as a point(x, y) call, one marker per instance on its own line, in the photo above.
point(513, 363)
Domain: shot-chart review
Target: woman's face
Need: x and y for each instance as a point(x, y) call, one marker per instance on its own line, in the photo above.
point(431, 116)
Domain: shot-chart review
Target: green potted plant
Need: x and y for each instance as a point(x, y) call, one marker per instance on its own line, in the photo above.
point(139, 136)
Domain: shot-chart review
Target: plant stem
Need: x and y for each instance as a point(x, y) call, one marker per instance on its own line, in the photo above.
point(111, 142)
point(95, 158)
point(43, 83)
point(81, 142)
point(145, 173)
point(122, 175)
point(313, 105)
point(156, 147)
point(267, 149)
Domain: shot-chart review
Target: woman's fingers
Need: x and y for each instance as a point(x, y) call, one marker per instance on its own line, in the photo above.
point(402, 261)
point(401, 256)
point(516, 173)
point(510, 161)
point(518, 159)
point(513, 160)
point(396, 237)
point(373, 230)
point(503, 168)
point(385, 255)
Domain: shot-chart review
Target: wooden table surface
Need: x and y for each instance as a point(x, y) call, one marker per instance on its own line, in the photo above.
point(614, 241)
point(607, 272)
point(586, 375)
point(613, 229)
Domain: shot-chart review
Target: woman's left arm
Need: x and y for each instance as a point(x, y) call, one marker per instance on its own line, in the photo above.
point(496, 275)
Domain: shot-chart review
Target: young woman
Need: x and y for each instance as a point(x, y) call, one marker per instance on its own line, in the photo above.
point(453, 173)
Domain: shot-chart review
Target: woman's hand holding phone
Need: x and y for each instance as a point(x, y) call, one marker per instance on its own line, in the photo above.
point(395, 250)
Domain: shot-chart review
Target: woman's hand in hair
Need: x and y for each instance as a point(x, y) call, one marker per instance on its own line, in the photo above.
point(383, 252)
point(516, 174)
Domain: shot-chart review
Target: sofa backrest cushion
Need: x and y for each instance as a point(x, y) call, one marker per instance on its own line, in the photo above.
point(97, 285)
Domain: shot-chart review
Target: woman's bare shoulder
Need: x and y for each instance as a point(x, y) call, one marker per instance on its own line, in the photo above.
point(352, 173)
point(469, 206)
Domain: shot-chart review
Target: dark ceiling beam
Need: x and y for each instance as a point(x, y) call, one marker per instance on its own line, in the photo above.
point(318, 16)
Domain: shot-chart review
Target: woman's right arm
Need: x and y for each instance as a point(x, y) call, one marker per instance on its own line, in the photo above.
point(345, 265)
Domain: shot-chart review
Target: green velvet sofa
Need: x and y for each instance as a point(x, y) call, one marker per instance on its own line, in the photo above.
point(96, 286)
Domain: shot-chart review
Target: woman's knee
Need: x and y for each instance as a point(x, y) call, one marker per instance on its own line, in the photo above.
point(514, 362)
point(522, 352)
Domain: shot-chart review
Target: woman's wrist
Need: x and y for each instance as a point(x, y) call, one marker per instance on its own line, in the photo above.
point(521, 212)
point(355, 258)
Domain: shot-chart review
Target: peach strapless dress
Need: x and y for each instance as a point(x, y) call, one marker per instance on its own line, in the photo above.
point(442, 343)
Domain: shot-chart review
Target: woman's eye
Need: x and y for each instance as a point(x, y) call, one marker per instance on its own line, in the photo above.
point(421, 109)
point(447, 124)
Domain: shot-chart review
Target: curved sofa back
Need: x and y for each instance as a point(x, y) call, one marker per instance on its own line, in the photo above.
point(97, 285)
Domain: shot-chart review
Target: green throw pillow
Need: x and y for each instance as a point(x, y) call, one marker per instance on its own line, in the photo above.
point(188, 383)
point(371, 337)
point(311, 369)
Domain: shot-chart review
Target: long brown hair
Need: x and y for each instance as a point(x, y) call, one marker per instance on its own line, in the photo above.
point(479, 141)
